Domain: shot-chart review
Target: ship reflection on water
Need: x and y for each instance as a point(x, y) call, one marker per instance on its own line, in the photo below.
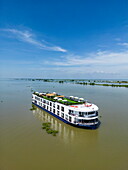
point(67, 132)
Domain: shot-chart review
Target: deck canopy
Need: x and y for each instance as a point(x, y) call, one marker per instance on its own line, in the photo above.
point(55, 98)
point(81, 98)
point(60, 96)
point(71, 96)
point(50, 94)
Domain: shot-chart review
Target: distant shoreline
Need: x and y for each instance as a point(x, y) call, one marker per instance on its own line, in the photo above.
point(109, 83)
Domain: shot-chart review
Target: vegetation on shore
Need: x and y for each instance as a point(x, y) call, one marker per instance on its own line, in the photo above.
point(104, 84)
point(49, 130)
point(112, 83)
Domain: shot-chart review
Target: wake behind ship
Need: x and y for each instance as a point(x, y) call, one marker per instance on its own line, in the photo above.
point(71, 110)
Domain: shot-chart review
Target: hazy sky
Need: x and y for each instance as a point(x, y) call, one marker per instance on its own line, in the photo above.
point(64, 38)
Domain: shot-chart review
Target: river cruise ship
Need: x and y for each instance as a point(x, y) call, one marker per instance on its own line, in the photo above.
point(71, 110)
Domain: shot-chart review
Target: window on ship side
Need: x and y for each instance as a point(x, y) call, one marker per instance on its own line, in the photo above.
point(53, 110)
point(90, 113)
point(58, 107)
point(83, 114)
point(70, 119)
point(62, 115)
point(58, 113)
point(62, 108)
point(70, 112)
point(66, 117)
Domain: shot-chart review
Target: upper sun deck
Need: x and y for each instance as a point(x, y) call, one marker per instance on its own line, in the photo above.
point(88, 107)
point(54, 97)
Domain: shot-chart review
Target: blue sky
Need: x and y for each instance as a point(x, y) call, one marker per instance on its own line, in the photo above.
point(64, 39)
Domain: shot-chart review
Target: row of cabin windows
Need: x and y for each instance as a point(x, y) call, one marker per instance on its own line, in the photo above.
point(71, 112)
point(37, 98)
point(58, 113)
point(50, 103)
point(87, 121)
point(81, 114)
point(50, 109)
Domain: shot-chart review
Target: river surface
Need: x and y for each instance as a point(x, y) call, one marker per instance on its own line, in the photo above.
point(24, 145)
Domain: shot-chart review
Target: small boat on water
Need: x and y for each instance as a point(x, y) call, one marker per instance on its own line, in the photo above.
point(71, 110)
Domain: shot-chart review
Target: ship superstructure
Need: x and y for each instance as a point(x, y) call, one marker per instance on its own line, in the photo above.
point(71, 110)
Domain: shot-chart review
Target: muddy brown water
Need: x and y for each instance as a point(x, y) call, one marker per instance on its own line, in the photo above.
point(25, 146)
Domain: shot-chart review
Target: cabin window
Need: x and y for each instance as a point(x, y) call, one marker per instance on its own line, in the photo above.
point(50, 103)
point(47, 107)
point(53, 110)
point(36, 98)
point(66, 117)
point(62, 115)
point(44, 106)
point(58, 113)
point(75, 120)
point(50, 109)
point(90, 113)
point(88, 121)
point(70, 119)
point(47, 102)
point(62, 109)
point(82, 114)
point(54, 105)
point(70, 112)
point(58, 107)
point(44, 101)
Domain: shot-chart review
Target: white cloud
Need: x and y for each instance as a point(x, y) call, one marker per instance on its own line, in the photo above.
point(98, 64)
point(123, 44)
point(28, 37)
point(101, 64)
point(99, 58)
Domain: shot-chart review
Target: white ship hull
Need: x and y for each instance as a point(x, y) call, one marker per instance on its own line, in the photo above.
point(83, 115)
